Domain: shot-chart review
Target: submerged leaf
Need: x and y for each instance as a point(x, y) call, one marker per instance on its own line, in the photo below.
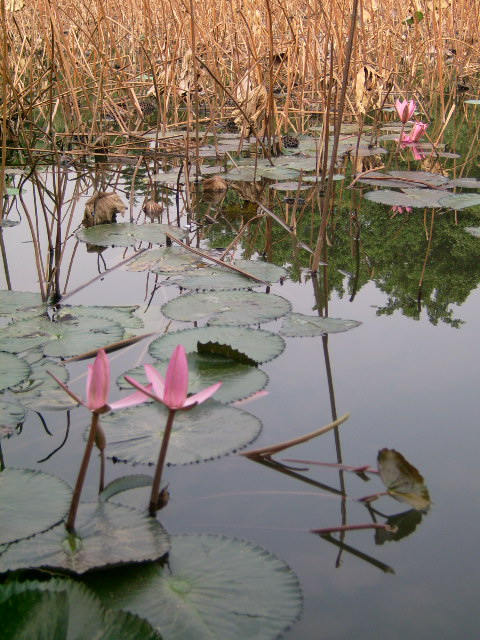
point(225, 588)
point(402, 480)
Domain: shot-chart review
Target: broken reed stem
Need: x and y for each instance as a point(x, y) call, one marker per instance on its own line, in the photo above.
point(269, 451)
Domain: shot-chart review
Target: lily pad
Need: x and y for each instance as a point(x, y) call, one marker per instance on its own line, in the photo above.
point(459, 201)
point(20, 303)
point(421, 198)
point(124, 316)
point(11, 415)
point(290, 186)
point(298, 325)
point(257, 344)
point(402, 479)
point(13, 370)
point(225, 588)
point(227, 307)
point(238, 380)
point(61, 339)
point(432, 179)
point(126, 234)
point(213, 279)
point(64, 610)
point(246, 174)
point(30, 502)
point(166, 260)
point(278, 173)
point(465, 183)
point(105, 534)
point(40, 392)
point(208, 431)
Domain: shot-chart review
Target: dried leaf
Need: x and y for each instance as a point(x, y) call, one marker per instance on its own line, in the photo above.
point(402, 480)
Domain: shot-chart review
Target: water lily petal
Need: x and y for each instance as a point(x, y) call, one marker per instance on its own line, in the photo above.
point(156, 379)
point(202, 395)
point(131, 400)
point(98, 382)
point(176, 380)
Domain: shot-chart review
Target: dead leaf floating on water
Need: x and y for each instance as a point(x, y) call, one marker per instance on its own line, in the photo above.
point(402, 480)
point(102, 208)
point(215, 183)
point(152, 209)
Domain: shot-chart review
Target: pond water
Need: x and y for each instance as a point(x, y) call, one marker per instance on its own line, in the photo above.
point(407, 376)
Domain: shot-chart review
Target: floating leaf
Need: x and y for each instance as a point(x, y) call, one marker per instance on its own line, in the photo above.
point(257, 344)
point(459, 201)
point(245, 174)
point(402, 480)
point(290, 186)
point(209, 431)
point(238, 380)
point(213, 279)
point(227, 307)
point(30, 502)
point(408, 198)
point(126, 234)
point(64, 610)
point(278, 173)
point(465, 183)
point(432, 179)
point(125, 483)
point(13, 370)
point(263, 270)
point(105, 534)
point(224, 588)
point(61, 339)
point(124, 316)
point(11, 416)
point(166, 260)
point(21, 304)
point(40, 392)
point(298, 325)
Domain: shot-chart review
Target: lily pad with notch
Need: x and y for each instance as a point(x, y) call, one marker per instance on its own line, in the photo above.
point(30, 502)
point(124, 316)
point(257, 344)
point(40, 392)
point(299, 325)
point(21, 304)
point(227, 307)
point(239, 381)
point(106, 534)
point(167, 261)
point(13, 370)
point(63, 609)
point(224, 588)
point(208, 431)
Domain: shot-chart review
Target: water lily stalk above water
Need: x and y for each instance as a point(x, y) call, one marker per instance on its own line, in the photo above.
point(405, 109)
point(171, 391)
point(97, 395)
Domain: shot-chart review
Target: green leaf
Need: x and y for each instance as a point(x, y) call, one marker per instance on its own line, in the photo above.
point(21, 304)
point(125, 483)
point(64, 610)
point(259, 345)
point(166, 260)
point(40, 392)
point(238, 380)
point(208, 431)
point(298, 325)
point(459, 201)
point(124, 316)
point(245, 174)
point(213, 279)
point(224, 350)
point(105, 534)
point(13, 370)
point(408, 198)
point(126, 234)
point(61, 339)
point(213, 587)
point(227, 307)
point(402, 480)
point(30, 502)
point(290, 186)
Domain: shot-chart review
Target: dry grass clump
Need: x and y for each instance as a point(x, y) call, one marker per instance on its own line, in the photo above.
point(84, 67)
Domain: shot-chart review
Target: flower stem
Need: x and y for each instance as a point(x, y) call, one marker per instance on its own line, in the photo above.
point(157, 478)
point(72, 514)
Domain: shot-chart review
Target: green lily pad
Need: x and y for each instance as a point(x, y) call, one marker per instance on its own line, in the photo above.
point(20, 304)
point(239, 381)
point(213, 587)
point(227, 307)
point(459, 201)
point(298, 325)
point(169, 177)
point(64, 610)
point(337, 176)
point(11, 416)
point(302, 163)
point(420, 198)
point(166, 260)
point(402, 479)
point(40, 392)
point(263, 270)
point(290, 186)
point(213, 279)
point(278, 173)
point(208, 431)
point(124, 316)
point(105, 534)
point(13, 370)
point(30, 502)
point(259, 345)
point(465, 183)
point(61, 339)
point(126, 234)
point(245, 174)
point(432, 179)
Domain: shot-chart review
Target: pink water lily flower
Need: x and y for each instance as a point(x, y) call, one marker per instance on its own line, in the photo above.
point(405, 109)
point(416, 133)
point(98, 388)
point(173, 389)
